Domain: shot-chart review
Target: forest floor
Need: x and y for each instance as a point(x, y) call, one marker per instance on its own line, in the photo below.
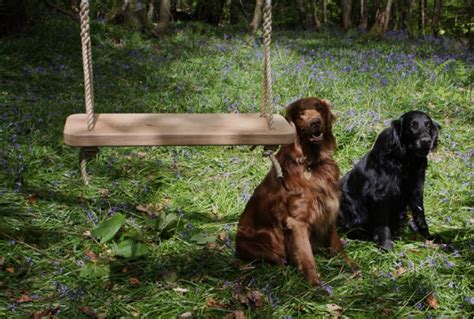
point(153, 233)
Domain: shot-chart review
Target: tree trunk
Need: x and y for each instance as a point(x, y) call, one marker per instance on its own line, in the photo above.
point(407, 17)
point(346, 7)
point(422, 7)
point(257, 16)
point(325, 11)
point(314, 15)
point(388, 9)
point(235, 9)
point(165, 16)
point(209, 11)
point(302, 13)
point(436, 16)
point(131, 13)
point(363, 15)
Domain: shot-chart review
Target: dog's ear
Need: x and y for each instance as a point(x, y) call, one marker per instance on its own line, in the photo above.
point(397, 126)
point(434, 134)
point(292, 111)
point(330, 117)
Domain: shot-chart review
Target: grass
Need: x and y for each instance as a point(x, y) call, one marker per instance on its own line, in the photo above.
point(51, 264)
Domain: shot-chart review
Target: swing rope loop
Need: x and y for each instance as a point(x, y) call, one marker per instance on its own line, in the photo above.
point(267, 99)
point(87, 63)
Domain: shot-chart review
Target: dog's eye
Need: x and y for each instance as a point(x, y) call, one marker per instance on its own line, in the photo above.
point(414, 125)
point(428, 125)
point(319, 107)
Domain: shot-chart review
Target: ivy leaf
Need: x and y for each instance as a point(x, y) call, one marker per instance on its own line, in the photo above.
point(108, 228)
point(130, 249)
point(93, 271)
point(202, 239)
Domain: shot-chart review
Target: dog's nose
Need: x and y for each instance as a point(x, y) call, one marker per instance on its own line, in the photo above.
point(315, 123)
point(425, 142)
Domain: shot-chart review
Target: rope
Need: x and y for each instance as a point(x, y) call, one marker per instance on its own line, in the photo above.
point(87, 63)
point(267, 99)
point(85, 154)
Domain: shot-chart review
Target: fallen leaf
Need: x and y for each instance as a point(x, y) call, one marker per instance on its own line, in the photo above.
point(432, 302)
point(144, 208)
point(222, 236)
point(88, 311)
point(181, 290)
point(400, 271)
point(238, 314)
point(92, 256)
point(212, 245)
point(332, 307)
point(2, 260)
point(210, 302)
point(10, 269)
point(42, 313)
point(32, 199)
point(133, 281)
point(186, 315)
point(24, 298)
point(141, 154)
point(431, 244)
point(356, 274)
point(103, 192)
point(256, 298)
point(87, 233)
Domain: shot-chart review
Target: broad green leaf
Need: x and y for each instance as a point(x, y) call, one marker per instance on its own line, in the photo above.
point(130, 249)
point(108, 228)
point(202, 239)
point(167, 222)
point(93, 270)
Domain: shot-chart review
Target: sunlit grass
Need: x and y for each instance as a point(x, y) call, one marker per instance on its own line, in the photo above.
point(46, 214)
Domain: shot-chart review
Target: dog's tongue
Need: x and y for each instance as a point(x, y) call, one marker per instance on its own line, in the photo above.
point(317, 138)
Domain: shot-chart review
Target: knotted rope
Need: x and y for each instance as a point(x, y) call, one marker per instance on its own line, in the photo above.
point(267, 99)
point(87, 153)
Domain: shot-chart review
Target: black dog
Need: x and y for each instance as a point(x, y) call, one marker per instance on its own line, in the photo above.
point(387, 180)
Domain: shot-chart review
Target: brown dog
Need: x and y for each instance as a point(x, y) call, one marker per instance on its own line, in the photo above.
point(284, 216)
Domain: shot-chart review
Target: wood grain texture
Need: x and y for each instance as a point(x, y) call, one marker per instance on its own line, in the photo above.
point(154, 129)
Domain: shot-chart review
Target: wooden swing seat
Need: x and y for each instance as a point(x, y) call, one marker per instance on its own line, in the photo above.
point(154, 129)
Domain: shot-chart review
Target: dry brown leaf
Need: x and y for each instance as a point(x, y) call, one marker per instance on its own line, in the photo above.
point(431, 244)
point(238, 314)
point(222, 236)
point(87, 233)
point(133, 281)
point(432, 302)
point(10, 269)
point(212, 245)
point(181, 290)
point(104, 192)
point(2, 260)
point(400, 271)
point(356, 274)
point(24, 298)
point(88, 311)
point(334, 308)
point(92, 256)
point(210, 302)
point(256, 298)
point(42, 313)
point(32, 199)
point(186, 315)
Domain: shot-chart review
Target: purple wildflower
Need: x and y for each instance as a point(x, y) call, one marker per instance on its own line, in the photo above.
point(448, 263)
point(327, 287)
point(469, 300)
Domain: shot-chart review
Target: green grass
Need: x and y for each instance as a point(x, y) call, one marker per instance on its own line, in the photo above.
point(46, 214)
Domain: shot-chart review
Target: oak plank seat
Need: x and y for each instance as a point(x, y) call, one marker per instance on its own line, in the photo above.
point(154, 129)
